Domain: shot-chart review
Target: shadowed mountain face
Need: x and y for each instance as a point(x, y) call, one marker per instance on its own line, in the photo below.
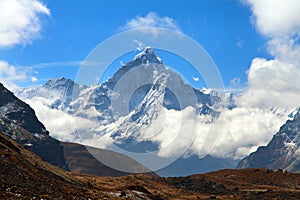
point(25, 176)
point(18, 121)
point(282, 152)
point(79, 159)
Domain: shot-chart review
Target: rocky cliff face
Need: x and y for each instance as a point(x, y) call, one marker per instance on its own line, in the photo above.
point(283, 151)
point(18, 121)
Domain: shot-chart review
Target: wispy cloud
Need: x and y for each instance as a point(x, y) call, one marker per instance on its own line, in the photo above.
point(240, 43)
point(152, 19)
point(11, 75)
point(20, 21)
point(140, 45)
point(235, 82)
point(150, 23)
point(58, 64)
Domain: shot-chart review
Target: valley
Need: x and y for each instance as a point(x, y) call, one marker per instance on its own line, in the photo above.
point(25, 176)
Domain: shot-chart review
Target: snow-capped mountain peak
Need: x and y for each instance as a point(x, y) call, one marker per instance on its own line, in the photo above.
point(59, 81)
point(105, 102)
point(148, 55)
point(120, 111)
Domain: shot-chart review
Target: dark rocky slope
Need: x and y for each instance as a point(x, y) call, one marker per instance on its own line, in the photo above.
point(282, 152)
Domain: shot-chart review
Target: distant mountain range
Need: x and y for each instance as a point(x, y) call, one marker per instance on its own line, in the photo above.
point(164, 89)
point(140, 109)
point(282, 152)
point(80, 100)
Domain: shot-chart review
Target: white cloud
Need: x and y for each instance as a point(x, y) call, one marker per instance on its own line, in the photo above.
point(272, 83)
point(153, 21)
point(9, 75)
point(275, 82)
point(235, 134)
point(140, 45)
point(14, 76)
point(34, 79)
point(235, 82)
point(20, 21)
point(61, 125)
point(276, 17)
point(244, 129)
point(70, 63)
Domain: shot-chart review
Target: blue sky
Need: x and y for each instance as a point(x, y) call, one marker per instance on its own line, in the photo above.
point(74, 28)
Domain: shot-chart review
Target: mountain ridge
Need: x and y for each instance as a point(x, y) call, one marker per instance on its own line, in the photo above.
point(123, 106)
point(282, 152)
point(18, 120)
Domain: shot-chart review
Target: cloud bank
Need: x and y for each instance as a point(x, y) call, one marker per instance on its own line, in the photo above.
point(233, 135)
point(20, 21)
point(61, 125)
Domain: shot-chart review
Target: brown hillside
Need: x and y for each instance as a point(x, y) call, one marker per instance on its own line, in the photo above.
point(80, 160)
point(25, 176)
